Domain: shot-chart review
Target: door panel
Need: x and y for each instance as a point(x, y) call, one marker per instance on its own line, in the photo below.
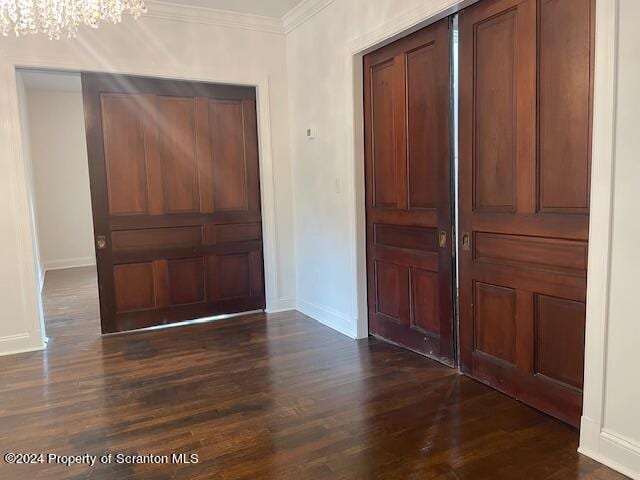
point(172, 237)
point(425, 310)
point(422, 156)
point(235, 269)
point(391, 288)
point(495, 109)
point(525, 83)
point(564, 86)
point(178, 157)
point(234, 275)
point(383, 148)
point(124, 154)
point(186, 281)
point(176, 200)
point(408, 188)
point(494, 321)
point(134, 286)
point(228, 155)
point(559, 336)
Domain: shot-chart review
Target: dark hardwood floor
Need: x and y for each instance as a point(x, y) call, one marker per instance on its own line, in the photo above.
point(261, 396)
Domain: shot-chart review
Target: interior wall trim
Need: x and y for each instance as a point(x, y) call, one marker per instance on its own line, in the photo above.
point(302, 12)
point(291, 20)
point(596, 440)
point(328, 316)
point(11, 139)
point(285, 304)
point(64, 263)
point(611, 449)
point(20, 343)
point(406, 23)
point(211, 16)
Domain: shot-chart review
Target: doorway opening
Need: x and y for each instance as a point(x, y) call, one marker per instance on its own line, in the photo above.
point(518, 191)
point(145, 196)
point(55, 151)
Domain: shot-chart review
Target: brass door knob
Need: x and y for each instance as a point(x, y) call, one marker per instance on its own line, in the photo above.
point(466, 241)
point(101, 242)
point(442, 239)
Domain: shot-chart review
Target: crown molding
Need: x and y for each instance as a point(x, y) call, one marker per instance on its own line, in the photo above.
point(303, 12)
point(223, 18)
point(212, 16)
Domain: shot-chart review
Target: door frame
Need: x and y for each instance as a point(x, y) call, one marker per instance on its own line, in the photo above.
point(595, 441)
point(23, 195)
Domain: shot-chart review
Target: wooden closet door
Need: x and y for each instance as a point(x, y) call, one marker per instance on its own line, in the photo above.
point(525, 141)
point(176, 200)
point(408, 192)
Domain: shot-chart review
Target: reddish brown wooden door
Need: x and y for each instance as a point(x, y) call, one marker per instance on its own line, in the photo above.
point(176, 200)
point(408, 192)
point(525, 128)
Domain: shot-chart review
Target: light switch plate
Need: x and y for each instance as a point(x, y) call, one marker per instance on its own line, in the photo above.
point(311, 133)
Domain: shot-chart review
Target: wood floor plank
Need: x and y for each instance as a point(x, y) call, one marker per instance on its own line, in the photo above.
point(276, 396)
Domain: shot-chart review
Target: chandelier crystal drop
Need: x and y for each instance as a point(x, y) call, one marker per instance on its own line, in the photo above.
point(54, 17)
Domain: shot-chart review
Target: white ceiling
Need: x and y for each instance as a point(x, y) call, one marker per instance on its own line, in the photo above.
point(267, 8)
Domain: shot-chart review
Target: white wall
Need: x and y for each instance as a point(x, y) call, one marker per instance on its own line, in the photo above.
point(160, 45)
point(28, 162)
point(622, 408)
point(320, 68)
point(19, 334)
point(611, 422)
point(62, 195)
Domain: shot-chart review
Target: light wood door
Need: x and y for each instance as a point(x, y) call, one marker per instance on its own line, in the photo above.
point(176, 199)
point(408, 192)
point(525, 140)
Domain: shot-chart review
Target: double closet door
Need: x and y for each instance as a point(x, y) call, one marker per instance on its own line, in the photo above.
point(525, 95)
point(175, 194)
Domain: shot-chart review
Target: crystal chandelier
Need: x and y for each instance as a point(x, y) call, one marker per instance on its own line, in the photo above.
point(54, 17)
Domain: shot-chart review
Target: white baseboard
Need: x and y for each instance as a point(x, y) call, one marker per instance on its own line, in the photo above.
point(619, 453)
point(609, 448)
point(589, 436)
point(285, 304)
point(65, 263)
point(20, 343)
point(330, 317)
